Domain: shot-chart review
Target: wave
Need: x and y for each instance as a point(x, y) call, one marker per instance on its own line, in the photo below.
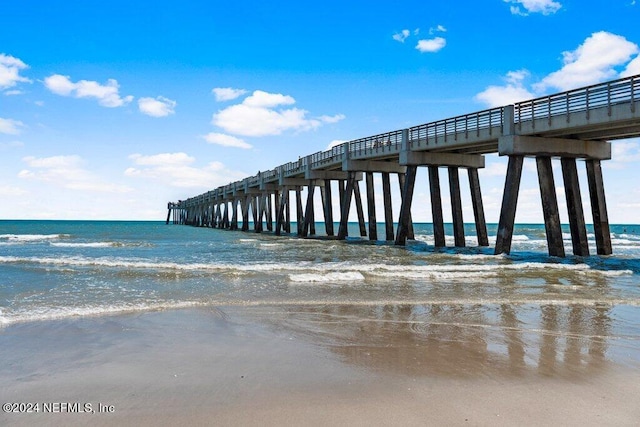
point(346, 276)
point(85, 245)
point(59, 313)
point(50, 313)
point(315, 268)
point(32, 237)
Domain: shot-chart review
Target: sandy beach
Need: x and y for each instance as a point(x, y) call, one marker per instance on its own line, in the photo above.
point(266, 366)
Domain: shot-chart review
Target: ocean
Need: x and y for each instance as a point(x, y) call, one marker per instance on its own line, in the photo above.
point(53, 270)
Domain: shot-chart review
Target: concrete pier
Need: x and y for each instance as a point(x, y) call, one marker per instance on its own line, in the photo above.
point(570, 127)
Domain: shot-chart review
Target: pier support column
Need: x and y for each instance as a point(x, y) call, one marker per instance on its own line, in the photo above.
point(244, 206)
point(328, 207)
point(456, 207)
point(401, 181)
point(234, 214)
point(478, 207)
point(346, 205)
point(405, 208)
point(371, 207)
point(287, 213)
point(280, 217)
point(309, 217)
point(299, 211)
point(550, 206)
point(359, 209)
point(257, 214)
point(599, 208)
point(436, 207)
point(509, 203)
point(269, 211)
point(225, 216)
point(388, 211)
point(574, 205)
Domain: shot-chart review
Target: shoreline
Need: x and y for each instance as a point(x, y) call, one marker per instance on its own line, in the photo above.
point(268, 366)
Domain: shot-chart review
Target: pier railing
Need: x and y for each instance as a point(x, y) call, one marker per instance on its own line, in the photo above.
point(430, 134)
point(626, 90)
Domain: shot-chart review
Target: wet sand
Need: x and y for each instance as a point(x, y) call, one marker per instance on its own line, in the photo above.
point(317, 366)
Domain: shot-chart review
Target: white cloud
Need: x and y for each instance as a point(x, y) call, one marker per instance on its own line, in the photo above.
point(592, 62)
point(163, 159)
point(107, 94)
point(401, 36)
point(13, 92)
point(513, 91)
point(226, 140)
point(546, 7)
point(10, 71)
point(438, 29)
point(262, 114)
point(632, 69)
point(595, 60)
point(335, 143)
point(174, 169)
point(9, 191)
point(67, 171)
point(10, 126)
point(332, 119)
point(262, 99)
point(431, 45)
point(626, 151)
point(157, 107)
point(227, 93)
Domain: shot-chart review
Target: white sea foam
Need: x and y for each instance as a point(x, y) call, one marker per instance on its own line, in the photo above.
point(309, 267)
point(84, 245)
point(346, 276)
point(32, 237)
point(53, 313)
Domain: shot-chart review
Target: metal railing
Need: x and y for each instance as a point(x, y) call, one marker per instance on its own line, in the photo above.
point(375, 143)
point(329, 156)
point(430, 134)
point(585, 99)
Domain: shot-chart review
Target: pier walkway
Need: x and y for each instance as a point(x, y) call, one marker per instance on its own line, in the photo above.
point(577, 124)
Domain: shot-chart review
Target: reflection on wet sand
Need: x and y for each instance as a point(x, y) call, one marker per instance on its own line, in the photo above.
point(461, 340)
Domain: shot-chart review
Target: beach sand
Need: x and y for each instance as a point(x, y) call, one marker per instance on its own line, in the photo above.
point(306, 366)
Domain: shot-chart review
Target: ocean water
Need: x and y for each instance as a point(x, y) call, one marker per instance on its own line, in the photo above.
point(65, 269)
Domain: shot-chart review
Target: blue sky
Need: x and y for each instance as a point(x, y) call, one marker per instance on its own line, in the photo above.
point(109, 110)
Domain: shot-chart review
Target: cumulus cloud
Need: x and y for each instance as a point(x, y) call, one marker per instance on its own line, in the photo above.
point(595, 60)
point(175, 169)
point(525, 7)
point(226, 140)
point(10, 126)
point(10, 68)
point(401, 36)
point(157, 107)
point(67, 171)
point(227, 93)
point(263, 113)
point(513, 91)
point(632, 69)
point(592, 62)
point(431, 45)
point(107, 94)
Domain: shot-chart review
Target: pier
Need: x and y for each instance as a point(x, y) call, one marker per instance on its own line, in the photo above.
point(574, 125)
